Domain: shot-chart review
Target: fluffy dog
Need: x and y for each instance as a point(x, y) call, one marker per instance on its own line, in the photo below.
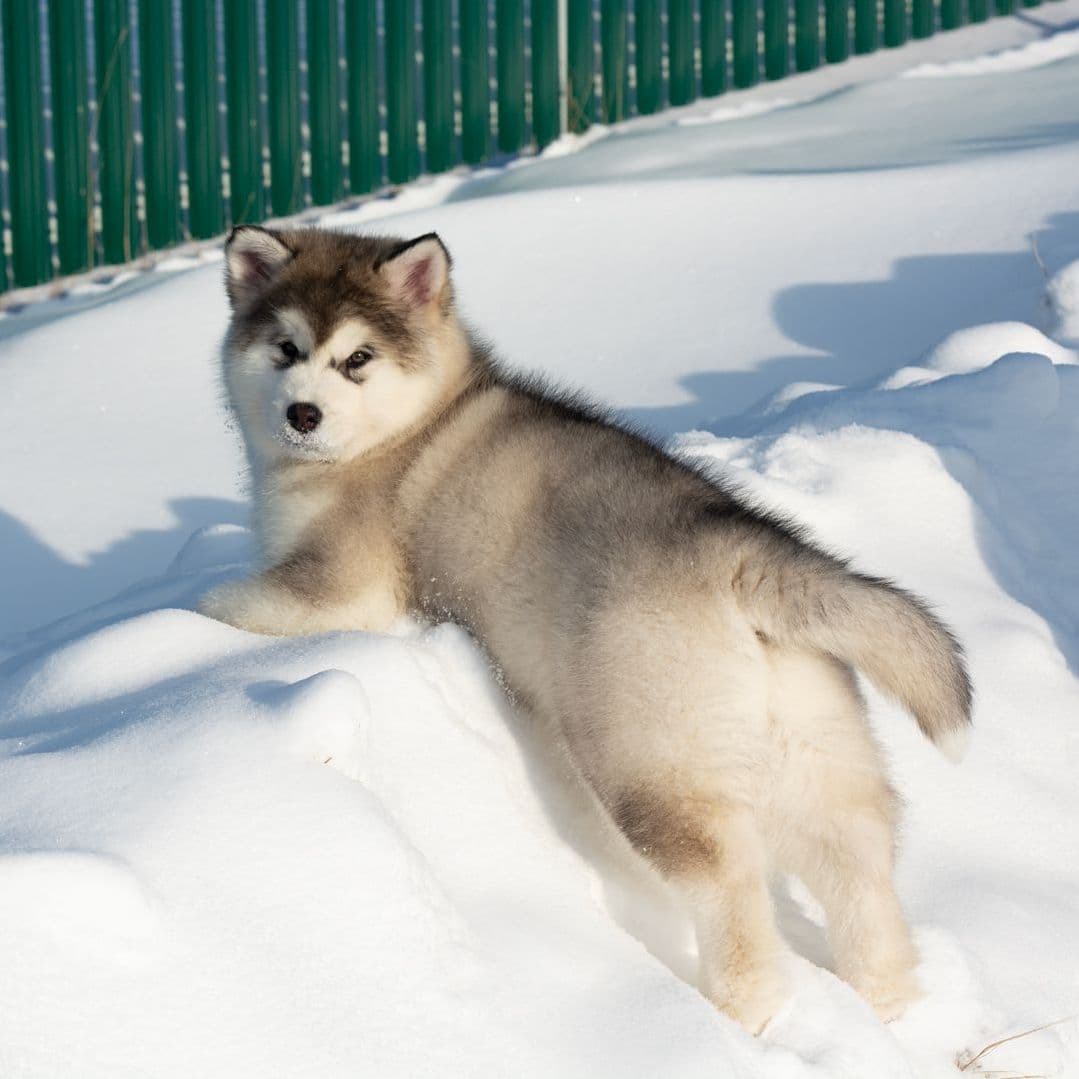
point(693, 655)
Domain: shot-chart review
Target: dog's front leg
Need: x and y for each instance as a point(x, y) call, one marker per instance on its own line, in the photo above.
point(281, 602)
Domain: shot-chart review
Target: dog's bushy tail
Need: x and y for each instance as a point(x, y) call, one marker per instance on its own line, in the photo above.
point(800, 596)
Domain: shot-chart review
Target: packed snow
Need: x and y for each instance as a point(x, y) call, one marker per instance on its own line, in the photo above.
point(1033, 54)
point(228, 855)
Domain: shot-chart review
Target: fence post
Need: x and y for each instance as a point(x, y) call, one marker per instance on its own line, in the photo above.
point(31, 262)
point(836, 30)
point(951, 14)
point(70, 134)
point(649, 59)
point(437, 85)
point(116, 144)
point(244, 129)
point(612, 33)
point(777, 16)
point(401, 89)
point(157, 89)
point(510, 66)
point(895, 23)
point(361, 51)
point(205, 216)
point(744, 41)
point(682, 79)
point(865, 26)
point(713, 48)
point(580, 92)
point(324, 100)
point(286, 178)
point(546, 119)
point(807, 34)
point(923, 18)
point(475, 88)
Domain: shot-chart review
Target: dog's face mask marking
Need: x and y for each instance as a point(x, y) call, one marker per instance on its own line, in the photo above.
point(335, 342)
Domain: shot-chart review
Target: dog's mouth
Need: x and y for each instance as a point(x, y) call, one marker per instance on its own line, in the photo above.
point(305, 445)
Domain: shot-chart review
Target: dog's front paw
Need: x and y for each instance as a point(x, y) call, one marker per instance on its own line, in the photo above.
point(232, 604)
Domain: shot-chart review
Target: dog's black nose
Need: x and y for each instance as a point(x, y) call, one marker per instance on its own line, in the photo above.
point(303, 417)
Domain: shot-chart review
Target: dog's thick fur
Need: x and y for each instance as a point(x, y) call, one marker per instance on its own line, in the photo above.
point(694, 655)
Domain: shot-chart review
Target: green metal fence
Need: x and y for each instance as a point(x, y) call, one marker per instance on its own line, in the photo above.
point(131, 125)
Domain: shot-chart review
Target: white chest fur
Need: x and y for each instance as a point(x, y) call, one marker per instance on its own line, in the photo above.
point(284, 510)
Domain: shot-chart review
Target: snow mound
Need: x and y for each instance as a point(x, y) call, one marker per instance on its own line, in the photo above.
point(349, 852)
point(1048, 50)
point(1063, 295)
point(979, 346)
point(740, 111)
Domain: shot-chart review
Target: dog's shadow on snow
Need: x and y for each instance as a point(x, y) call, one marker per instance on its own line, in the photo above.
point(42, 586)
point(857, 332)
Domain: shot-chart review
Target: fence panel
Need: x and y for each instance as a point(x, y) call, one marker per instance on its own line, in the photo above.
point(613, 44)
point(510, 64)
point(895, 23)
point(157, 87)
point(200, 119)
point(682, 80)
point(713, 48)
point(581, 65)
point(246, 201)
point(70, 136)
point(401, 90)
point(475, 87)
point(286, 133)
point(438, 85)
point(836, 30)
point(546, 114)
point(361, 48)
point(30, 261)
point(744, 42)
point(806, 34)
point(115, 137)
point(283, 87)
point(324, 100)
point(776, 31)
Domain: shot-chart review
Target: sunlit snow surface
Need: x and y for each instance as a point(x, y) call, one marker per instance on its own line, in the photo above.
point(223, 855)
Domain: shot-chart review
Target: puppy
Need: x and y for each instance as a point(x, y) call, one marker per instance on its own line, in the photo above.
point(693, 655)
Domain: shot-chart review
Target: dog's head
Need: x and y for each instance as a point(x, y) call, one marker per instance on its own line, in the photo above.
point(337, 343)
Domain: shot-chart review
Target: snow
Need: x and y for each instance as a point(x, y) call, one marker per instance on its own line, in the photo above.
point(1033, 54)
point(222, 854)
point(738, 112)
point(1063, 295)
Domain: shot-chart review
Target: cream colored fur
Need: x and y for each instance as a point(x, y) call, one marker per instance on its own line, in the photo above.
point(697, 672)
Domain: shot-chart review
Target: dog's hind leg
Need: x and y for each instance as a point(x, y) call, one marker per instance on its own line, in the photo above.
point(848, 866)
point(713, 855)
point(669, 724)
point(836, 826)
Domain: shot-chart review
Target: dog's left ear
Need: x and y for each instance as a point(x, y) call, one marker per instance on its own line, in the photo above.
point(418, 272)
point(252, 256)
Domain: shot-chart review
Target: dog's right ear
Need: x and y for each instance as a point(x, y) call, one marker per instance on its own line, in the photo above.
point(252, 256)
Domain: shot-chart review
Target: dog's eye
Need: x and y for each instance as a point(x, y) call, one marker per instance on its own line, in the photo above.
point(289, 352)
point(357, 360)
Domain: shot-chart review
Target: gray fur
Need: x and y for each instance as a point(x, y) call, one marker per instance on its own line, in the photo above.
point(690, 653)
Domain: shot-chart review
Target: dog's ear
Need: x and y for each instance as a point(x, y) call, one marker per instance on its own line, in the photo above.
point(252, 256)
point(418, 272)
